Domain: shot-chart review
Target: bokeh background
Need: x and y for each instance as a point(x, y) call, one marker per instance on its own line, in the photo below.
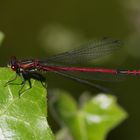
point(37, 29)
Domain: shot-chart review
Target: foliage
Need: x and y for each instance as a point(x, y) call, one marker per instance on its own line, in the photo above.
point(92, 121)
point(22, 118)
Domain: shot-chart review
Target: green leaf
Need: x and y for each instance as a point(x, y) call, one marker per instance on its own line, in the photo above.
point(22, 118)
point(92, 121)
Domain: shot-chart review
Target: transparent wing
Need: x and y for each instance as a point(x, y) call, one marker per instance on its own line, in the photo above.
point(95, 76)
point(88, 51)
point(83, 81)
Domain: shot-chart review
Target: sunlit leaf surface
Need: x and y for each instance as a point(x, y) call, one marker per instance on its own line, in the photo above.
point(92, 120)
point(22, 118)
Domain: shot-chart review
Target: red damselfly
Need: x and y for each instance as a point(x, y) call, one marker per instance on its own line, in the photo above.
point(66, 64)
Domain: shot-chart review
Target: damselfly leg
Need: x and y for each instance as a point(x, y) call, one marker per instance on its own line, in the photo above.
point(27, 76)
point(10, 82)
point(21, 89)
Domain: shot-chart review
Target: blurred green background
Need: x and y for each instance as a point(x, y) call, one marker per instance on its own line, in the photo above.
point(37, 29)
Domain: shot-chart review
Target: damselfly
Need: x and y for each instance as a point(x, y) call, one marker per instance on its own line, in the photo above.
point(67, 65)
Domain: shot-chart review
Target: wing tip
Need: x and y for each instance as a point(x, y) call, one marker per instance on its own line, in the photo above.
point(111, 40)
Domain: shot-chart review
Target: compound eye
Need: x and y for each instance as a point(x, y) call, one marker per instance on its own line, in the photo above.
point(13, 68)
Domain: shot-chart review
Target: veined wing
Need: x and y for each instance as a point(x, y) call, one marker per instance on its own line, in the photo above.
point(88, 51)
point(83, 81)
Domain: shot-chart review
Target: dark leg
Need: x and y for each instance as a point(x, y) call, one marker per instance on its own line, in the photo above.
point(23, 84)
point(30, 84)
point(44, 84)
point(20, 91)
point(10, 82)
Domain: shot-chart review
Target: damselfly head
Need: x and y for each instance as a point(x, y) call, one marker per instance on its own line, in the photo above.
point(14, 63)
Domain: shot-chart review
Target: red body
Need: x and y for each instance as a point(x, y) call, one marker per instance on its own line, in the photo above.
point(36, 65)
